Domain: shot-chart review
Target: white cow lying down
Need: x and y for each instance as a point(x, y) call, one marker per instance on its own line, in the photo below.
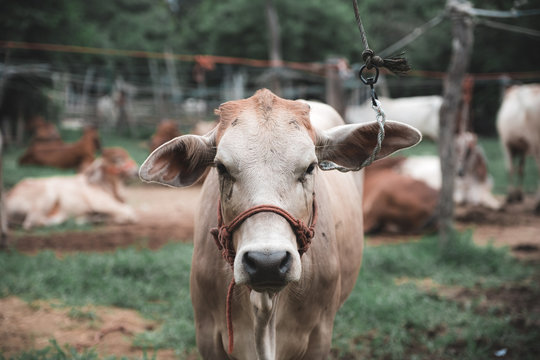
point(473, 184)
point(421, 112)
point(518, 125)
point(286, 236)
point(95, 191)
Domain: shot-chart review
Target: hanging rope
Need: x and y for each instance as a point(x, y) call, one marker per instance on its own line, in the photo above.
point(381, 120)
point(396, 64)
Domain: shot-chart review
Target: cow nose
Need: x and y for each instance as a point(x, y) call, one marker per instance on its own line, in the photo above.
point(267, 269)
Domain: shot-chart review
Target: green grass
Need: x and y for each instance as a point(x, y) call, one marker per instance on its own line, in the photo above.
point(392, 321)
point(381, 318)
point(154, 283)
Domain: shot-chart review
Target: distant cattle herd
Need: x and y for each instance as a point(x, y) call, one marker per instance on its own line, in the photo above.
point(411, 184)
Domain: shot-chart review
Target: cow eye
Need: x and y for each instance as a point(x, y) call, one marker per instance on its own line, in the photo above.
point(310, 169)
point(308, 172)
point(222, 170)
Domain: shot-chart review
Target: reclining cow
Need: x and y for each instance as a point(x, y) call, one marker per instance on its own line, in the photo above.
point(44, 131)
point(291, 235)
point(396, 202)
point(96, 191)
point(473, 184)
point(76, 155)
point(165, 131)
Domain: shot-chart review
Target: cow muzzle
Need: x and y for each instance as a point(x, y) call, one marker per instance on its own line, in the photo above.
point(267, 271)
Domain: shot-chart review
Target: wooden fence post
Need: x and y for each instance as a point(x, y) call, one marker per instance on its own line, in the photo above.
point(334, 91)
point(274, 47)
point(462, 41)
point(3, 215)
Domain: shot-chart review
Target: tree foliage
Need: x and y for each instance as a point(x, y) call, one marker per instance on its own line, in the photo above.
point(311, 29)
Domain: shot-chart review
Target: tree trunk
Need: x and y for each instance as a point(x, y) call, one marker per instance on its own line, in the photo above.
point(462, 40)
point(3, 215)
point(334, 90)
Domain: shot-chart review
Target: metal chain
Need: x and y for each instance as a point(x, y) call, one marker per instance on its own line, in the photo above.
point(381, 120)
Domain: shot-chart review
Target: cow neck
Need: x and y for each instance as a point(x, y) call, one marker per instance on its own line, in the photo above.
point(223, 237)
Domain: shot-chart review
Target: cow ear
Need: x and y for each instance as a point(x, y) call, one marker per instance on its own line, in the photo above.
point(347, 147)
point(180, 161)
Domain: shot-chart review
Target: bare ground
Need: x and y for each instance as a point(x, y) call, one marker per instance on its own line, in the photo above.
point(166, 215)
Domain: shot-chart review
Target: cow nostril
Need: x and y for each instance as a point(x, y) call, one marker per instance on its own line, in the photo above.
point(250, 263)
point(285, 264)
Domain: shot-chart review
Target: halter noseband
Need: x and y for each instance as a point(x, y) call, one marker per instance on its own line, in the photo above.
point(223, 233)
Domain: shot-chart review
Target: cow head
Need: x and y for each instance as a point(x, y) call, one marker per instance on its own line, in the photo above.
point(266, 151)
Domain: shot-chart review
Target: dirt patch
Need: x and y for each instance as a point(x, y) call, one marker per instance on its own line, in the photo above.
point(515, 226)
point(110, 331)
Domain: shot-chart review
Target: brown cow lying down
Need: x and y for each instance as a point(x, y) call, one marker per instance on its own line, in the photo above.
point(76, 155)
point(397, 203)
point(43, 131)
point(95, 191)
point(165, 131)
point(271, 270)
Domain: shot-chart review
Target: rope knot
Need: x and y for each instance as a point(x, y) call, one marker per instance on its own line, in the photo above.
point(371, 60)
point(222, 238)
point(304, 235)
point(367, 54)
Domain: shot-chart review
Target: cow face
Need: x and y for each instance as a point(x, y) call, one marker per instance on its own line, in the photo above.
point(266, 152)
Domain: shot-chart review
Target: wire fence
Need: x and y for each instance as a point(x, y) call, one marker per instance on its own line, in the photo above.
point(150, 87)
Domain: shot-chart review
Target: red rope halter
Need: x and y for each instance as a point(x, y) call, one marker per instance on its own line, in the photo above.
point(223, 237)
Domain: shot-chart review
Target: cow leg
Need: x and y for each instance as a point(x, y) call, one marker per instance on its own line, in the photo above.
point(209, 342)
point(120, 213)
point(33, 219)
point(515, 180)
point(320, 342)
point(537, 159)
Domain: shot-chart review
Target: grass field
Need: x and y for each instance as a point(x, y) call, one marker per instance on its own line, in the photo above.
point(391, 314)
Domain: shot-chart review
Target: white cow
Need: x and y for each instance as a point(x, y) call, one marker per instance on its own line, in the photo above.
point(518, 125)
point(421, 112)
point(473, 184)
point(96, 191)
point(291, 235)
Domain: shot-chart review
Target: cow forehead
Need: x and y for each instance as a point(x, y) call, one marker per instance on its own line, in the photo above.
point(265, 112)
